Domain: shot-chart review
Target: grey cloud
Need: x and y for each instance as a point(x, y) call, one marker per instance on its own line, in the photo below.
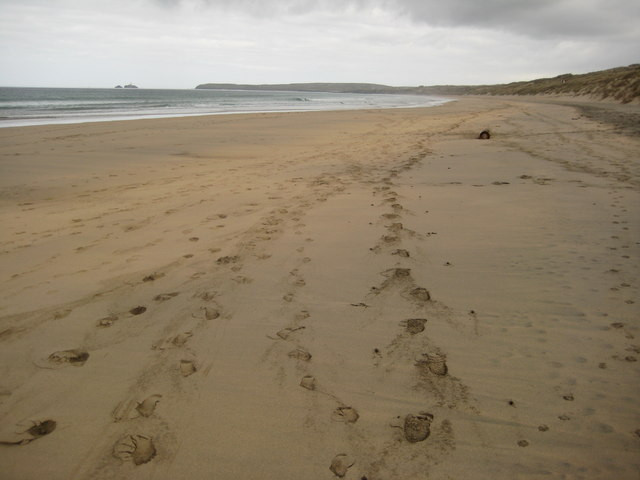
point(531, 17)
point(534, 18)
point(271, 7)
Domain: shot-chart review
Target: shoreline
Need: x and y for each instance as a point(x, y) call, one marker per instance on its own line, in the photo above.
point(77, 106)
point(624, 116)
point(266, 296)
point(186, 115)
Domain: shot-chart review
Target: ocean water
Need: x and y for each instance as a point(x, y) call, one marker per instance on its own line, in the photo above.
point(43, 106)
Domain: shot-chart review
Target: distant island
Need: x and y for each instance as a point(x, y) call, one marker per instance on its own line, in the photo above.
point(130, 85)
point(621, 84)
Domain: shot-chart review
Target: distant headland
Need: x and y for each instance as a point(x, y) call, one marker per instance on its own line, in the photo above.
point(621, 84)
point(129, 85)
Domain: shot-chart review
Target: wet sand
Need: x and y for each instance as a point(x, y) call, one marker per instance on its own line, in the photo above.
point(365, 294)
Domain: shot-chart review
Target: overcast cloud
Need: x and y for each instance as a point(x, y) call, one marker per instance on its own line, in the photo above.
point(181, 43)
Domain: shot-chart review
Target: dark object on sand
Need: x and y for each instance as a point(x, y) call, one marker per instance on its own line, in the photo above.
point(75, 357)
point(484, 135)
point(40, 429)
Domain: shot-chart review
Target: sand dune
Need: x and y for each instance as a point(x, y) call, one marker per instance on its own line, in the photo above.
point(367, 295)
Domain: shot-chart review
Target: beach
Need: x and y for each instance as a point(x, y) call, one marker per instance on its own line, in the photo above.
point(372, 294)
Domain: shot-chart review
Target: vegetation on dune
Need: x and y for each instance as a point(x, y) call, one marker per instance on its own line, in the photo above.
point(621, 84)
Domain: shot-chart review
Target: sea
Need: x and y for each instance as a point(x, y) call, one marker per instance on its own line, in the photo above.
point(44, 106)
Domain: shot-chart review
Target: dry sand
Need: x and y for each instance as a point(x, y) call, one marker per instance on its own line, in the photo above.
point(374, 294)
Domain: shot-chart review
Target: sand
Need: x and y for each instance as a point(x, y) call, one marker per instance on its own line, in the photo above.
point(367, 294)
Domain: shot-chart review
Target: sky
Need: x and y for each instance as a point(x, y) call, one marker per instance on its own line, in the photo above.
point(182, 43)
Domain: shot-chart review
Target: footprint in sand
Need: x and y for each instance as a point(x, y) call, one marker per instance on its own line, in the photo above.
point(176, 341)
point(397, 273)
point(345, 414)
point(286, 332)
point(401, 253)
point(228, 260)
point(36, 430)
point(152, 277)
point(395, 277)
point(187, 367)
point(242, 280)
point(206, 296)
point(390, 239)
point(340, 464)
point(163, 297)
point(434, 363)
point(138, 448)
point(107, 321)
point(621, 326)
point(288, 297)
point(62, 358)
point(414, 325)
point(211, 313)
point(138, 310)
point(421, 294)
point(300, 354)
point(146, 408)
point(417, 428)
point(308, 382)
point(395, 227)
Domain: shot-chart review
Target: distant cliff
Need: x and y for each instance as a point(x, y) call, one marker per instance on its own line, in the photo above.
point(312, 87)
point(621, 84)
